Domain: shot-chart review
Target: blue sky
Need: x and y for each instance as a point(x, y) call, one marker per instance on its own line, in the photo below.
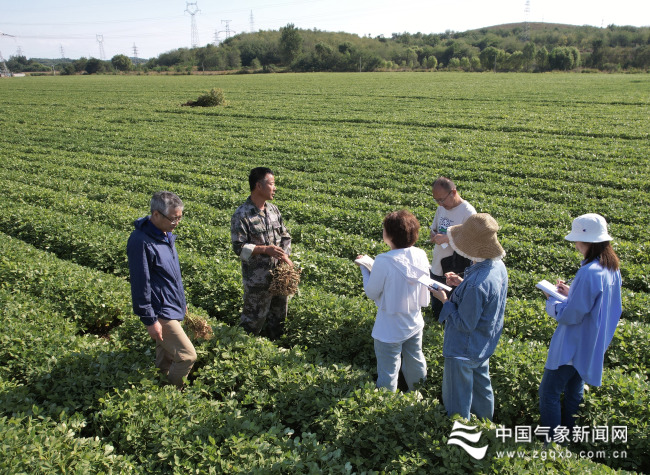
point(43, 29)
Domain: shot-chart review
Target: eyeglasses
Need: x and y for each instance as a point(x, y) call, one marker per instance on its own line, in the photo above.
point(173, 221)
point(444, 199)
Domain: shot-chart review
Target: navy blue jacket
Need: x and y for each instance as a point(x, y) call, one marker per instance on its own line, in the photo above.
point(156, 284)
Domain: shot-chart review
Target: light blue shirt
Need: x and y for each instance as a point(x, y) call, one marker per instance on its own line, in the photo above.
point(473, 315)
point(587, 321)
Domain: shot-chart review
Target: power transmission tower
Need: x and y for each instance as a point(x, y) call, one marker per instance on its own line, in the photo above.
point(135, 55)
point(4, 70)
point(252, 23)
point(61, 51)
point(19, 51)
point(100, 40)
point(227, 30)
point(193, 9)
point(526, 33)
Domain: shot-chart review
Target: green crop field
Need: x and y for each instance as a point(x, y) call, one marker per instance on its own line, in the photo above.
point(81, 156)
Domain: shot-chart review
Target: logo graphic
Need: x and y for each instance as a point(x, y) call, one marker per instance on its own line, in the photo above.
point(477, 452)
point(443, 225)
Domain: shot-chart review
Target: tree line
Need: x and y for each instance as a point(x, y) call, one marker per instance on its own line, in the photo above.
point(534, 47)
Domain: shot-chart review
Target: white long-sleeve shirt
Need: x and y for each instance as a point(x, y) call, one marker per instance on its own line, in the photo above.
point(394, 287)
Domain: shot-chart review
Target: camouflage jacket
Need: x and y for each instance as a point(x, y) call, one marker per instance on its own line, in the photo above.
point(250, 227)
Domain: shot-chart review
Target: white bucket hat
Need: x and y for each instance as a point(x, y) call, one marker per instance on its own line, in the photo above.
point(589, 228)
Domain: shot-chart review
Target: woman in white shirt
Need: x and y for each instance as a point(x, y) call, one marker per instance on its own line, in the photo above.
point(393, 285)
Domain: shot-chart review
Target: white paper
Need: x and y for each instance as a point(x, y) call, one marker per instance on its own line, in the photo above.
point(550, 289)
point(429, 282)
point(365, 261)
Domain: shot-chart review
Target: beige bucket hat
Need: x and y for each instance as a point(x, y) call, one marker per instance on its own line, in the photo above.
point(476, 239)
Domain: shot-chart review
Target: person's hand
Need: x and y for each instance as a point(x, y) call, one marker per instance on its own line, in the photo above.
point(285, 258)
point(275, 251)
point(562, 288)
point(439, 294)
point(440, 238)
point(453, 279)
point(358, 257)
point(155, 331)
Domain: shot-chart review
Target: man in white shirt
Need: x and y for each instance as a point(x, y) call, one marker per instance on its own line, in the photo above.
point(452, 210)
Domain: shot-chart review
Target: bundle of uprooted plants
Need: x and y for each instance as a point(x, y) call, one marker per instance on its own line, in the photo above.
point(197, 326)
point(285, 279)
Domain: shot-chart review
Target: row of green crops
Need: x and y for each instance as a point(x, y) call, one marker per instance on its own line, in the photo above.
point(82, 156)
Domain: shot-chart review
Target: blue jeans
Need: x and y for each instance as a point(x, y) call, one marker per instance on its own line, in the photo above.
point(567, 380)
point(466, 388)
point(389, 356)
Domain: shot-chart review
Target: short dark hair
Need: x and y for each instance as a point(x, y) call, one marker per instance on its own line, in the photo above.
point(604, 252)
point(258, 174)
point(402, 228)
point(444, 183)
point(165, 201)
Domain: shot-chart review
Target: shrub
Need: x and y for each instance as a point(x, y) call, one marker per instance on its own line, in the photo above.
point(214, 98)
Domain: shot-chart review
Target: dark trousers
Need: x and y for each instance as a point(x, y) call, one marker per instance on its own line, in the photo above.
point(263, 313)
point(436, 305)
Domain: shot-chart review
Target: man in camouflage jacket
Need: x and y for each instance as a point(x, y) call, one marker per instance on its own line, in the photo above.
point(261, 241)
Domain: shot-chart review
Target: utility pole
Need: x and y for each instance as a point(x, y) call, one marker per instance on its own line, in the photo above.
point(135, 55)
point(192, 8)
point(61, 51)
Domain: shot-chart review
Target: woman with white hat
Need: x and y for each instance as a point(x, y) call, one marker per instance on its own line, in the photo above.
point(473, 316)
point(586, 320)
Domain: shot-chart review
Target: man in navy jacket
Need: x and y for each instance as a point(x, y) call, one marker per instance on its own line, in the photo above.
point(157, 288)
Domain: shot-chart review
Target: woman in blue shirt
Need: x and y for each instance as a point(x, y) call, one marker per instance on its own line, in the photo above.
point(586, 320)
point(473, 316)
